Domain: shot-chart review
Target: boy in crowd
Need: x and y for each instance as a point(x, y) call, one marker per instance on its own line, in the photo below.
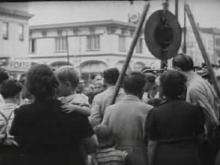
point(68, 81)
point(3, 76)
point(10, 90)
point(107, 154)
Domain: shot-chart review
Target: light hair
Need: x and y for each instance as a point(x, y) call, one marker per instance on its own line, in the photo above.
point(68, 73)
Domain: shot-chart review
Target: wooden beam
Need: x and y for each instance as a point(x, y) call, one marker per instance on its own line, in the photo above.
point(202, 48)
point(177, 9)
point(184, 31)
point(137, 33)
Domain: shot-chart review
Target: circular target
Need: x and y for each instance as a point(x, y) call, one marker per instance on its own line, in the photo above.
point(163, 34)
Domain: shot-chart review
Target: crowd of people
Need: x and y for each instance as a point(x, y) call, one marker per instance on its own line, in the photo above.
point(168, 118)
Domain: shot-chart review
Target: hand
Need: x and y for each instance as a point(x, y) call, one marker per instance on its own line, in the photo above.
point(68, 108)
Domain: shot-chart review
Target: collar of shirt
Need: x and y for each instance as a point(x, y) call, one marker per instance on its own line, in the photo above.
point(129, 97)
point(191, 76)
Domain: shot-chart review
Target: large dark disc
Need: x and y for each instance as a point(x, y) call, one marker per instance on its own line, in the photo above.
point(163, 34)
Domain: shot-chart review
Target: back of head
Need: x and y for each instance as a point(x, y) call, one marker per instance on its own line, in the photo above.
point(183, 62)
point(111, 76)
point(41, 82)
point(173, 84)
point(3, 75)
point(134, 83)
point(68, 73)
point(10, 88)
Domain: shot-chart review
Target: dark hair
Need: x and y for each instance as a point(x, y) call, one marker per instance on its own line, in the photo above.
point(10, 88)
point(111, 75)
point(41, 82)
point(3, 75)
point(150, 77)
point(173, 84)
point(184, 62)
point(134, 83)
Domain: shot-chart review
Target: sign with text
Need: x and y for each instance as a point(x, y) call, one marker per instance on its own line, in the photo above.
point(18, 65)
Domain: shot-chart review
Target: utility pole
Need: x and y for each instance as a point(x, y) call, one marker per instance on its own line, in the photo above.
point(184, 30)
point(177, 9)
point(163, 64)
point(67, 48)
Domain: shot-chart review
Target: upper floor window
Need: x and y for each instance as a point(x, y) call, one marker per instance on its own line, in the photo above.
point(44, 33)
point(21, 32)
point(139, 46)
point(217, 42)
point(5, 30)
point(32, 45)
point(122, 45)
point(93, 42)
point(61, 44)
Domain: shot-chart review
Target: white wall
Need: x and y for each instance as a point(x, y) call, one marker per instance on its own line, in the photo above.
point(13, 47)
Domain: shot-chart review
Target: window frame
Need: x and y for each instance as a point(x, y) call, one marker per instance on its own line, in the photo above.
point(139, 46)
point(60, 44)
point(21, 36)
point(122, 48)
point(31, 45)
point(93, 42)
point(5, 36)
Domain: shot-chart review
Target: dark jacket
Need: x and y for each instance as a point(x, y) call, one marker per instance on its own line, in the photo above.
point(47, 135)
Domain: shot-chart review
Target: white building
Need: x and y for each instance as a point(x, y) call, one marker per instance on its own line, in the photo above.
point(90, 46)
point(14, 34)
point(211, 41)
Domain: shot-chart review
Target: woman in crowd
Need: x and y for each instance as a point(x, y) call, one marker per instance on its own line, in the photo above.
point(44, 132)
point(173, 128)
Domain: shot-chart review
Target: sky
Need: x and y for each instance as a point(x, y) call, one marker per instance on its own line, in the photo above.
point(206, 12)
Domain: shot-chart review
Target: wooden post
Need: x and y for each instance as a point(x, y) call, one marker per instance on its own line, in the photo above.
point(202, 48)
point(67, 48)
point(177, 9)
point(184, 31)
point(164, 62)
point(137, 33)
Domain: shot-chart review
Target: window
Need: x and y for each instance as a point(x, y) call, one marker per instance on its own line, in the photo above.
point(217, 41)
point(44, 33)
point(5, 27)
point(93, 42)
point(122, 47)
point(32, 45)
point(21, 32)
point(60, 44)
point(139, 46)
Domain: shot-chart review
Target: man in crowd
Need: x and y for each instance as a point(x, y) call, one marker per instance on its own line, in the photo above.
point(127, 117)
point(200, 92)
point(68, 80)
point(103, 99)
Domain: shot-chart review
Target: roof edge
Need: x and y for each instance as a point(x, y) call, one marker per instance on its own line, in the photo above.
point(13, 12)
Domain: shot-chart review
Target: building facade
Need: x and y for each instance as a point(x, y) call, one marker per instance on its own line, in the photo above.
point(14, 34)
point(89, 46)
point(211, 41)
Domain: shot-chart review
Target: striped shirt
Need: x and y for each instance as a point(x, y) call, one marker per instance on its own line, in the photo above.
point(6, 109)
point(110, 156)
